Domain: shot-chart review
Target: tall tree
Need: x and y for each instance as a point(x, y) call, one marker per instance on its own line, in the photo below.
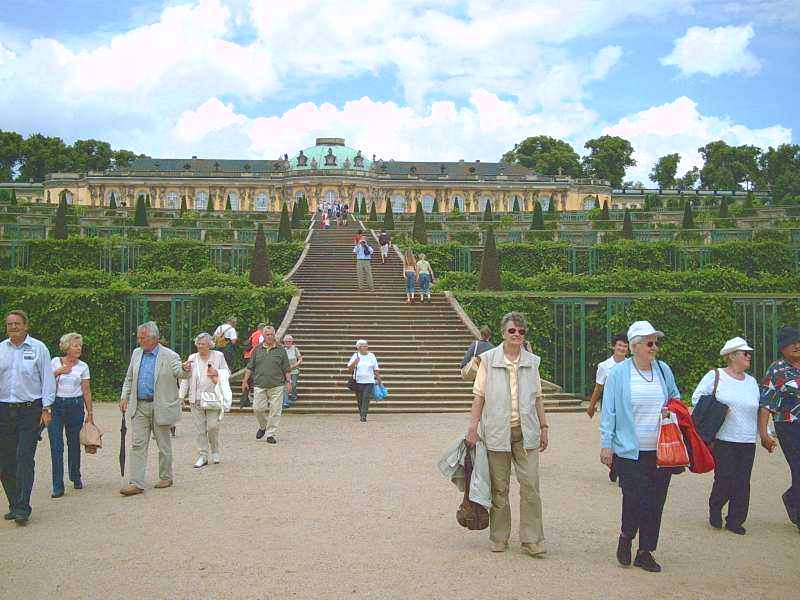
point(689, 179)
point(285, 228)
point(363, 209)
point(726, 167)
point(545, 155)
point(435, 207)
point(515, 208)
point(664, 171)
point(373, 212)
point(627, 226)
point(91, 155)
point(723, 208)
point(147, 201)
point(604, 215)
point(596, 202)
point(456, 206)
point(42, 155)
point(259, 262)
point(13, 199)
point(608, 158)
point(60, 230)
point(388, 217)
point(538, 216)
point(296, 216)
point(228, 207)
point(420, 231)
point(490, 264)
point(780, 169)
point(112, 201)
point(183, 204)
point(488, 217)
point(10, 154)
point(140, 217)
point(210, 202)
point(688, 217)
point(551, 207)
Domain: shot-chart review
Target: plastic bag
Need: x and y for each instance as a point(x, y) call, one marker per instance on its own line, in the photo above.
point(671, 450)
point(379, 391)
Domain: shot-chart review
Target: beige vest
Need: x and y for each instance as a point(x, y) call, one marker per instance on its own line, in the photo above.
point(496, 416)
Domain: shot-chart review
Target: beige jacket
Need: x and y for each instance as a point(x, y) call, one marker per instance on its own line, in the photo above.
point(166, 406)
point(188, 387)
point(496, 416)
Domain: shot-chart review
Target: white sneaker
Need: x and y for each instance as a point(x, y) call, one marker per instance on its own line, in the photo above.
point(201, 462)
point(215, 458)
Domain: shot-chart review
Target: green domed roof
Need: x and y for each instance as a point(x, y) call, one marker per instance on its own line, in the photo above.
point(329, 153)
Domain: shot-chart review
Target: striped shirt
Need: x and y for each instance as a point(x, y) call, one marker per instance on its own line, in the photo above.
point(647, 400)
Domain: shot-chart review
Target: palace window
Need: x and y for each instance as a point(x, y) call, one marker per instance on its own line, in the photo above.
point(545, 202)
point(427, 203)
point(172, 200)
point(201, 201)
point(234, 198)
point(483, 201)
point(262, 201)
point(359, 196)
point(330, 197)
point(398, 203)
point(68, 197)
point(519, 202)
point(460, 200)
point(588, 203)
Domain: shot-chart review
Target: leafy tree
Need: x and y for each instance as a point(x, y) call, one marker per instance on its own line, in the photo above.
point(688, 217)
point(363, 209)
point(183, 205)
point(296, 215)
point(664, 171)
point(627, 226)
point(604, 216)
point(42, 155)
point(689, 179)
point(723, 208)
point(388, 217)
point(13, 199)
point(112, 200)
point(545, 155)
point(285, 228)
point(420, 232)
point(490, 264)
point(515, 208)
point(487, 213)
point(608, 158)
point(91, 155)
point(10, 154)
point(538, 216)
point(435, 207)
point(780, 171)
point(228, 203)
point(4, 197)
point(140, 217)
point(725, 167)
point(60, 230)
point(373, 213)
point(259, 263)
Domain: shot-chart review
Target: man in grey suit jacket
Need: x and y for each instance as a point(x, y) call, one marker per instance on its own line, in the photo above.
point(150, 396)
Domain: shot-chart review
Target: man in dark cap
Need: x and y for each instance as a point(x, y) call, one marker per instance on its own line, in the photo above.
point(780, 398)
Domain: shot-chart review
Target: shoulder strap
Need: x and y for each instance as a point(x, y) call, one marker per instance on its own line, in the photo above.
point(716, 383)
point(475, 352)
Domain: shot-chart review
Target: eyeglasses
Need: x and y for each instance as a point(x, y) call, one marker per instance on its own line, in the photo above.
point(747, 353)
point(651, 344)
point(513, 330)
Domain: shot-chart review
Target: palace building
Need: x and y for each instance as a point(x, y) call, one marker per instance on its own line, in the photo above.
point(328, 172)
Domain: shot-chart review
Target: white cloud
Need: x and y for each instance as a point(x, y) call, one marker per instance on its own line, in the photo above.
point(212, 115)
point(714, 52)
point(6, 55)
point(678, 126)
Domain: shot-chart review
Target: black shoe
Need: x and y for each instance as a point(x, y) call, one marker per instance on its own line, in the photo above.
point(624, 551)
point(363, 419)
point(10, 516)
point(78, 485)
point(789, 510)
point(737, 529)
point(260, 433)
point(21, 520)
point(644, 560)
point(271, 440)
point(715, 520)
point(57, 494)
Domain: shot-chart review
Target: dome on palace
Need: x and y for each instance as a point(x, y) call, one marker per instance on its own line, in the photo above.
point(329, 153)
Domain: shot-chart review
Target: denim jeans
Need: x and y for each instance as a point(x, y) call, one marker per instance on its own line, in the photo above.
point(68, 415)
point(410, 280)
point(425, 283)
point(19, 434)
point(289, 399)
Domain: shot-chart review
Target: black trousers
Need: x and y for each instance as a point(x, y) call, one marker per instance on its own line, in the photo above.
point(789, 437)
point(644, 492)
point(734, 464)
point(19, 435)
point(363, 394)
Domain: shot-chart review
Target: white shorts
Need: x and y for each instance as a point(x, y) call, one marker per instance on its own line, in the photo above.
point(385, 251)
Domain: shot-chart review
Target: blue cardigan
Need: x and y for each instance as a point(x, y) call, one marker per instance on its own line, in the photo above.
point(617, 430)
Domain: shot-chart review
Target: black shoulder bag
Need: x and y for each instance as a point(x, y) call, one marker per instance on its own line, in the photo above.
point(709, 413)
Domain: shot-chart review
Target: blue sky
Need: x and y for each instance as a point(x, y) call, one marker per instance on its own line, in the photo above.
point(410, 79)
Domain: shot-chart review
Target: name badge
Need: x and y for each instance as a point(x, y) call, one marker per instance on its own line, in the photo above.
point(28, 355)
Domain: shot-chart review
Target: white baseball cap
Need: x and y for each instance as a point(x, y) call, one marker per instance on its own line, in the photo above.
point(733, 345)
point(361, 343)
point(642, 329)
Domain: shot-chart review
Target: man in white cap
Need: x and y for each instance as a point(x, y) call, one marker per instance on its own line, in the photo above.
point(363, 366)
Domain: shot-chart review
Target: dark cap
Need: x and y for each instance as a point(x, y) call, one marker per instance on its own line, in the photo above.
point(787, 335)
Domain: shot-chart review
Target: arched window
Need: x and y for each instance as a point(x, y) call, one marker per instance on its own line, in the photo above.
point(234, 198)
point(519, 202)
point(545, 202)
point(262, 201)
point(588, 203)
point(172, 200)
point(427, 203)
point(359, 196)
point(330, 197)
point(483, 201)
point(457, 201)
point(201, 201)
point(398, 203)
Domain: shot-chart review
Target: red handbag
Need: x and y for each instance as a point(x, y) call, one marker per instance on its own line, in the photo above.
point(671, 451)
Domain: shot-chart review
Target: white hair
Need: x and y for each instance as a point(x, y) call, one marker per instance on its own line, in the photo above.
point(635, 340)
point(150, 328)
point(204, 336)
point(67, 339)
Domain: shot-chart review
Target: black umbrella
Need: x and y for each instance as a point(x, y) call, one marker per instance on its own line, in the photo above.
point(122, 431)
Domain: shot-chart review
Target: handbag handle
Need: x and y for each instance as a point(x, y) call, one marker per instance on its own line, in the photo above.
point(716, 383)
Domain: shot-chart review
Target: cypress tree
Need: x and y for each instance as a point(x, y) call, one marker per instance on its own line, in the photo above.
point(13, 200)
point(60, 231)
point(747, 206)
point(285, 228)
point(723, 208)
point(538, 216)
point(515, 208)
point(112, 201)
point(487, 213)
point(627, 226)
point(140, 218)
point(363, 210)
point(147, 200)
point(4, 197)
point(210, 203)
point(259, 263)
point(296, 216)
point(604, 215)
point(373, 213)
point(490, 264)
point(435, 207)
point(228, 203)
point(420, 232)
point(183, 204)
point(551, 208)
point(456, 207)
point(48, 196)
point(388, 217)
point(596, 202)
point(688, 218)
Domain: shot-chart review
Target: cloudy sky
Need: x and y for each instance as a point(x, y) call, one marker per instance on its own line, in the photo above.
point(404, 79)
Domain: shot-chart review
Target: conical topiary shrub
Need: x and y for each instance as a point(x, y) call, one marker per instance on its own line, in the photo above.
point(285, 228)
point(373, 213)
point(183, 205)
point(363, 209)
point(551, 208)
point(487, 213)
point(388, 217)
point(604, 214)
point(688, 217)
point(456, 206)
point(296, 215)
point(112, 200)
point(723, 208)
point(538, 216)
point(627, 226)
point(147, 201)
point(140, 217)
point(60, 230)
point(228, 203)
point(435, 207)
point(490, 264)
point(515, 208)
point(210, 203)
point(596, 202)
point(259, 262)
point(13, 200)
point(420, 231)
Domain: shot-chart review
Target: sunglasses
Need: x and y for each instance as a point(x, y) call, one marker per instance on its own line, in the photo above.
point(519, 330)
point(651, 344)
point(747, 353)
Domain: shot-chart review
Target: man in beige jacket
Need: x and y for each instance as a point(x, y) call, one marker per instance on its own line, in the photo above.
point(150, 396)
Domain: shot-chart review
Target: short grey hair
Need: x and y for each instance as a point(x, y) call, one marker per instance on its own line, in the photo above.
point(513, 317)
point(231, 318)
point(204, 336)
point(637, 339)
point(67, 339)
point(150, 328)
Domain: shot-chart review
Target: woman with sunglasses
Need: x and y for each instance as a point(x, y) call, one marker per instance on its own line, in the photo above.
point(634, 397)
point(509, 410)
point(735, 446)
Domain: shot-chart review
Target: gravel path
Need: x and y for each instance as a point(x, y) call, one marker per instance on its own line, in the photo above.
point(340, 509)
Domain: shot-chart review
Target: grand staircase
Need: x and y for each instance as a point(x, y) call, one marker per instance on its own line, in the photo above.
point(419, 346)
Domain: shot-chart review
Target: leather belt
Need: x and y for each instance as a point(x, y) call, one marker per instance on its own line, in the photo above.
point(31, 404)
point(144, 399)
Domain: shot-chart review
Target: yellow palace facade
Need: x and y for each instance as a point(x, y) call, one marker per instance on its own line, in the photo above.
point(325, 173)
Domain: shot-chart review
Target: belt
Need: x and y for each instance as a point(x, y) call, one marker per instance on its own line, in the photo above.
point(144, 399)
point(32, 404)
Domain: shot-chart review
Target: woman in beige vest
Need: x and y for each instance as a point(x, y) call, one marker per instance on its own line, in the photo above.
point(508, 417)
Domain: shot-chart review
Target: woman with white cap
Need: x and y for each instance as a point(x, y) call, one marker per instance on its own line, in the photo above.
point(365, 370)
point(735, 446)
point(634, 397)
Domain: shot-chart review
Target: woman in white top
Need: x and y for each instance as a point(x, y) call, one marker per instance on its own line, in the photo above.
point(73, 394)
point(364, 368)
point(735, 446)
point(209, 378)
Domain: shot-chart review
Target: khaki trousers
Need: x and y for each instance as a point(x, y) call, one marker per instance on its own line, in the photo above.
point(143, 426)
point(526, 466)
point(268, 400)
point(364, 274)
point(207, 424)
